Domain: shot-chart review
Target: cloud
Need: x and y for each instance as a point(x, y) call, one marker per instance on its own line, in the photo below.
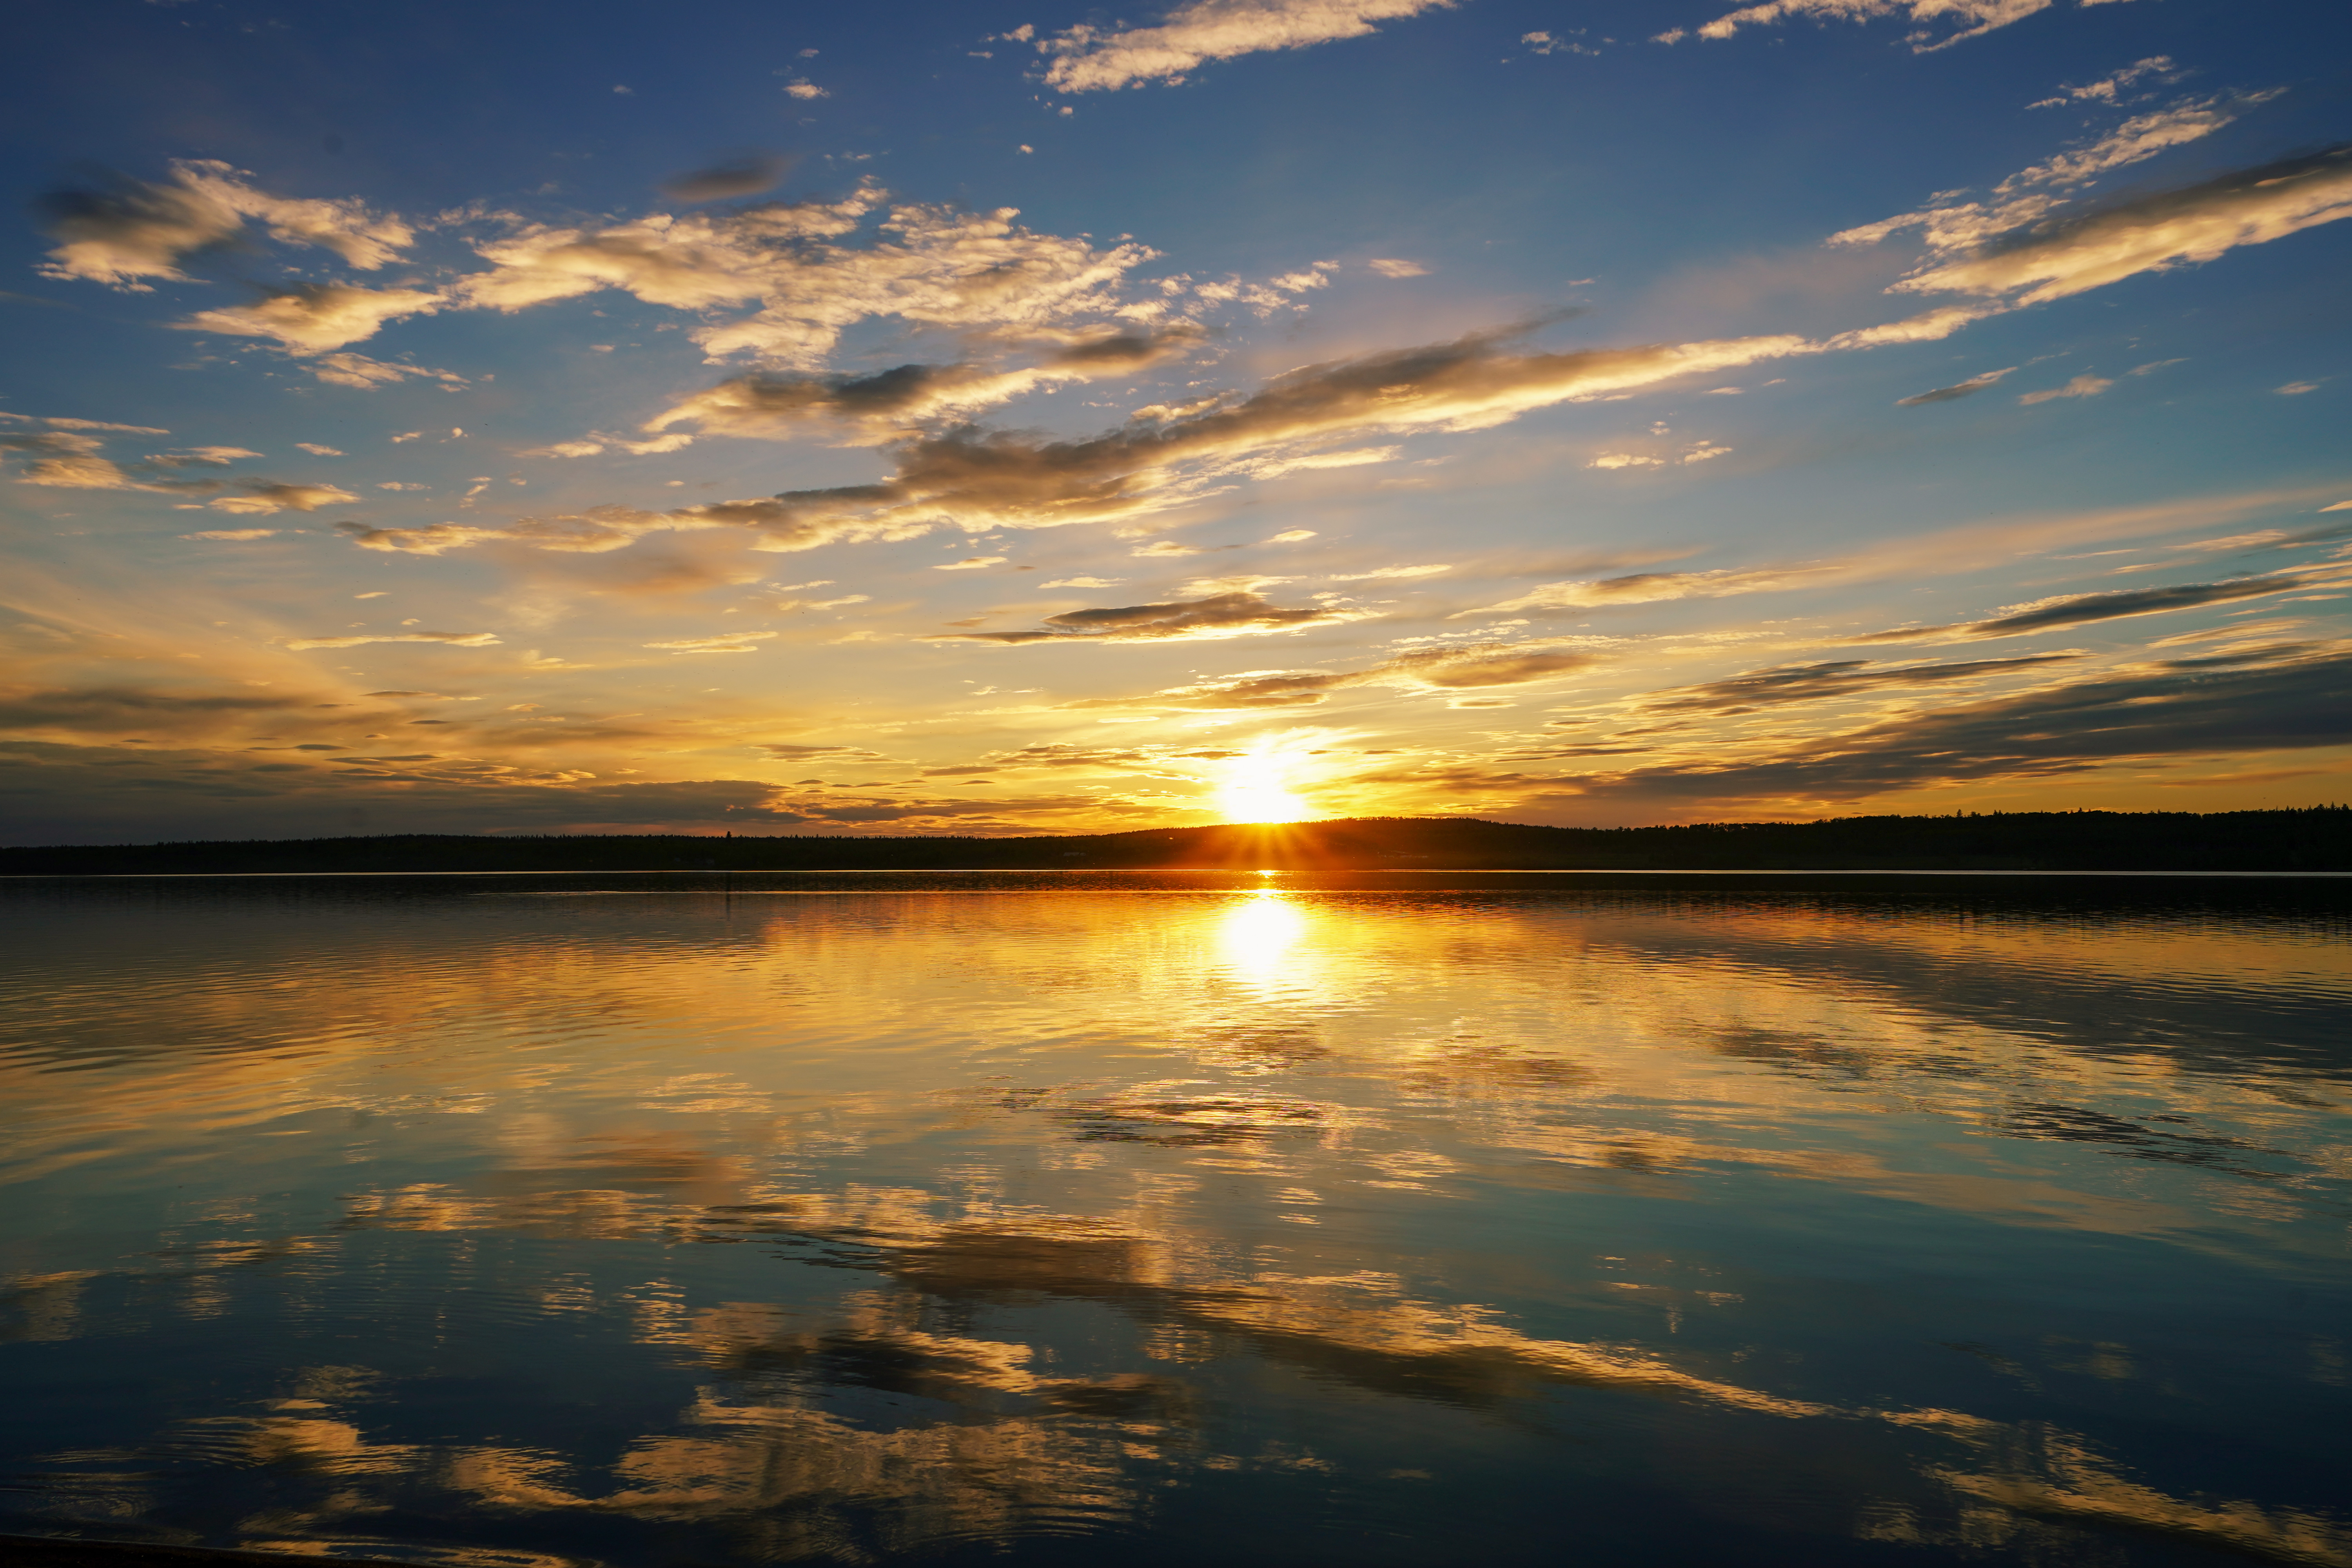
point(1390, 267)
point(1973, 18)
point(934, 266)
point(311, 317)
point(2081, 386)
point(979, 479)
point(892, 402)
point(1218, 615)
point(1955, 392)
point(1388, 572)
point(358, 371)
point(2079, 609)
point(67, 459)
point(1836, 678)
point(263, 497)
point(136, 229)
point(1082, 582)
point(1484, 666)
point(2109, 89)
point(1954, 228)
point(803, 752)
point(2297, 388)
point(1653, 587)
point(318, 451)
point(969, 563)
point(744, 175)
point(724, 642)
point(2056, 259)
point(1357, 457)
point(454, 640)
point(207, 457)
point(1096, 59)
point(234, 533)
point(2294, 696)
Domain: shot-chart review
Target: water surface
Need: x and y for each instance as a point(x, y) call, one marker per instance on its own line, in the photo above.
point(1176, 1218)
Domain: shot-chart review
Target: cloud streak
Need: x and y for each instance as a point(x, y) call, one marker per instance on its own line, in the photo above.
point(2083, 609)
point(891, 403)
point(2290, 697)
point(2058, 258)
point(1967, 18)
point(451, 639)
point(1096, 59)
point(1193, 620)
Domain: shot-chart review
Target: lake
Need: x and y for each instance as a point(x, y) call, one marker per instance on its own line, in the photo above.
point(1172, 1218)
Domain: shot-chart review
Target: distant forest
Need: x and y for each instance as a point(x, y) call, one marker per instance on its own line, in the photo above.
point(2318, 838)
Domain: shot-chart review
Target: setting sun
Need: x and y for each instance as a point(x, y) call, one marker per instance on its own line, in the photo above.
point(1255, 788)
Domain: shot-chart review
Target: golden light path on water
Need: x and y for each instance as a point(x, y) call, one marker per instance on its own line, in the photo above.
point(538, 1219)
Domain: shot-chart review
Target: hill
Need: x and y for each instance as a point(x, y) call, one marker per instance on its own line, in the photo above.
point(2318, 838)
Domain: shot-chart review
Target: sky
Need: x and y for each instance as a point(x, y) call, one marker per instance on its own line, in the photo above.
point(1013, 418)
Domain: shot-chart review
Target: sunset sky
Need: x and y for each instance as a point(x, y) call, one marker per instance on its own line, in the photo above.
point(1010, 419)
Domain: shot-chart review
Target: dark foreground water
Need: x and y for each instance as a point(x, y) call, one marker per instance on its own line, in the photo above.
point(1155, 1219)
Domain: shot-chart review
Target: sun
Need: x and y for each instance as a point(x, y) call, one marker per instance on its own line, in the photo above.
point(1255, 788)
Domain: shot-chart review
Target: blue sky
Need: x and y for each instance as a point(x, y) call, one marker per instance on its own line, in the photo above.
point(953, 419)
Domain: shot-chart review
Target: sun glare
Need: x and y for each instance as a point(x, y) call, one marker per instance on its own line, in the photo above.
point(1255, 788)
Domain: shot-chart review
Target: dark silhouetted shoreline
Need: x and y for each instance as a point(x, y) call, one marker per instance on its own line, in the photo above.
point(2314, 838)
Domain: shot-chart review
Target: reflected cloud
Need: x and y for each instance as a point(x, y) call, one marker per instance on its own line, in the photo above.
point(953, 1220)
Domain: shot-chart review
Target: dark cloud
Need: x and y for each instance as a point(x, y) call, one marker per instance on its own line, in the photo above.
point(127, 228)
point(979, 477)
point(1841, 678)
point(1220, 615)
point(745, 174)
point(65, 795)
point(888, 403)
point(2285, 698)
point(2078, 609)
point(110, 710)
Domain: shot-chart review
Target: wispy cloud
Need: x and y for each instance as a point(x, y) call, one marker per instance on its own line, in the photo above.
point(1653, 588)
point(1216, 617)
point(1833, 680)
point(721, 642)
point(452, 639)
point(1485, 666)
point(1964, 19)
point(891, 402)
point(1953, 228)
point(2080, 609)
point(1957, 391)
point(2058, 258)
point(2081, 386)
point(1096, 59)
point(2288, 697)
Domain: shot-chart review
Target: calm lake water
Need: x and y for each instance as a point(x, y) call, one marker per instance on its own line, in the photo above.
point(1164, 1218)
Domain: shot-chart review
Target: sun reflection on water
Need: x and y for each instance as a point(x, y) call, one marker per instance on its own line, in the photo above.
point(1256, 936)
